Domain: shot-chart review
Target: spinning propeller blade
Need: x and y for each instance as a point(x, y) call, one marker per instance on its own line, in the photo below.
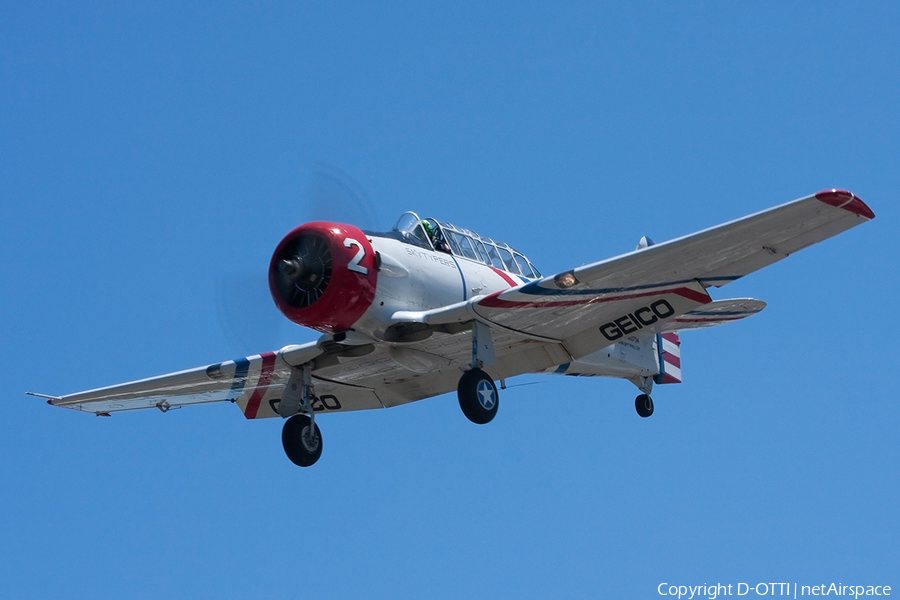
point(246, 312)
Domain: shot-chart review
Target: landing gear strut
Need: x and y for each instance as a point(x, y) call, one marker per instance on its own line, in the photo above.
point(477, 393)
point(300, 436)
point(643, 404)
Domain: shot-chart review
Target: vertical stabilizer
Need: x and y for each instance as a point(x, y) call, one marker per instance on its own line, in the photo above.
point(669, 345)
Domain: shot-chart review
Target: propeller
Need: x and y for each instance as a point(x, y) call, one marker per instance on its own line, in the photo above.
point(247, 315)
point(335, 196)
point(304, 270)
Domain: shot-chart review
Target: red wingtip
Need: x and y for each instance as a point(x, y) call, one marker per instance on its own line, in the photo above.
point(847, 201)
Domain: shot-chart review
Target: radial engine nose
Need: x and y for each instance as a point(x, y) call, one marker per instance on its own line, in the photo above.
point(304, 270)
point(323, 275)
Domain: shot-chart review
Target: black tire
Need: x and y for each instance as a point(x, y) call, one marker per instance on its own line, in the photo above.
point(643, 404)
point(302, 452)
point(478, 397)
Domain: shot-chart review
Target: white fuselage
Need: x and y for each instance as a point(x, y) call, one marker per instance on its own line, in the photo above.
point(416, 279)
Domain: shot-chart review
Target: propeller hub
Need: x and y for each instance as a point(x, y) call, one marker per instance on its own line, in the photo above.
point(290, 267)
point(303, 270)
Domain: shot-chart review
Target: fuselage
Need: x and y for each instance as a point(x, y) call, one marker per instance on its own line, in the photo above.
point(336, 278)
point(418, 279)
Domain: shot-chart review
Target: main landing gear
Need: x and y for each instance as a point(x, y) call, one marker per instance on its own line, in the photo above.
point(477, 393)
point(300, 436)
point(478, 396)
point(302, 440)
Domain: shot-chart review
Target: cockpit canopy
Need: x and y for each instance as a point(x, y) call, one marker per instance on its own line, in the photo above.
point(446, 237)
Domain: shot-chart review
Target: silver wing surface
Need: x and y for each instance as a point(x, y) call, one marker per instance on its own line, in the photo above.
point(254, 383)
point(589, 307)
point(345, 377)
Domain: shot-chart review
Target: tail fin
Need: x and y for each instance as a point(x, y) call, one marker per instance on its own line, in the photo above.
point(645, 242)
point(669, 346)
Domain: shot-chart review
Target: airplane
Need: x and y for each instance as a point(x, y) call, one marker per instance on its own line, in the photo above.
point(429, 307)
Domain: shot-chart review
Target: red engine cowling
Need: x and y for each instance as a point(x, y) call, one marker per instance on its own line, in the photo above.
point(323, 276)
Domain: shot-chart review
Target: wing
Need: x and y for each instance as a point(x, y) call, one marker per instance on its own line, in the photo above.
point(398, 373)
point(254, 383)
point(345, 377)
point(590, 307)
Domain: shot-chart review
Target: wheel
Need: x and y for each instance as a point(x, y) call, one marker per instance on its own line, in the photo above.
point(478, 396)
point(643, 404)
point(301, 444)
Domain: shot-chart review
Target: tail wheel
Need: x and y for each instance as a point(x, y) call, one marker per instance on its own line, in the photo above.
point(643, 404)
point(302, 441)
point(478, 397)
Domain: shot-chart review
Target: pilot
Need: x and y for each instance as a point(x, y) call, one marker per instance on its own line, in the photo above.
point(437, 240)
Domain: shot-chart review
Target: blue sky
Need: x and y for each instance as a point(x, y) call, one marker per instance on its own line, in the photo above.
point(148, 152)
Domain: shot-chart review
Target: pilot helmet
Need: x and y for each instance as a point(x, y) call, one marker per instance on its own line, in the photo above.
point(429, 228)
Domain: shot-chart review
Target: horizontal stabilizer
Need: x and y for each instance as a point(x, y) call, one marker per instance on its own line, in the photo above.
point(716, 313)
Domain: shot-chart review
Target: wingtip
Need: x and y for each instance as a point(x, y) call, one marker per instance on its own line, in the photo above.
point(847, 201)
point(49, 399)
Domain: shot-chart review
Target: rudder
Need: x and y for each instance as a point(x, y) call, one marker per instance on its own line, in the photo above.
point(669, 347)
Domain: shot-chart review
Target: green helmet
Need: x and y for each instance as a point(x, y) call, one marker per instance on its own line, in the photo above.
point(429, 228)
